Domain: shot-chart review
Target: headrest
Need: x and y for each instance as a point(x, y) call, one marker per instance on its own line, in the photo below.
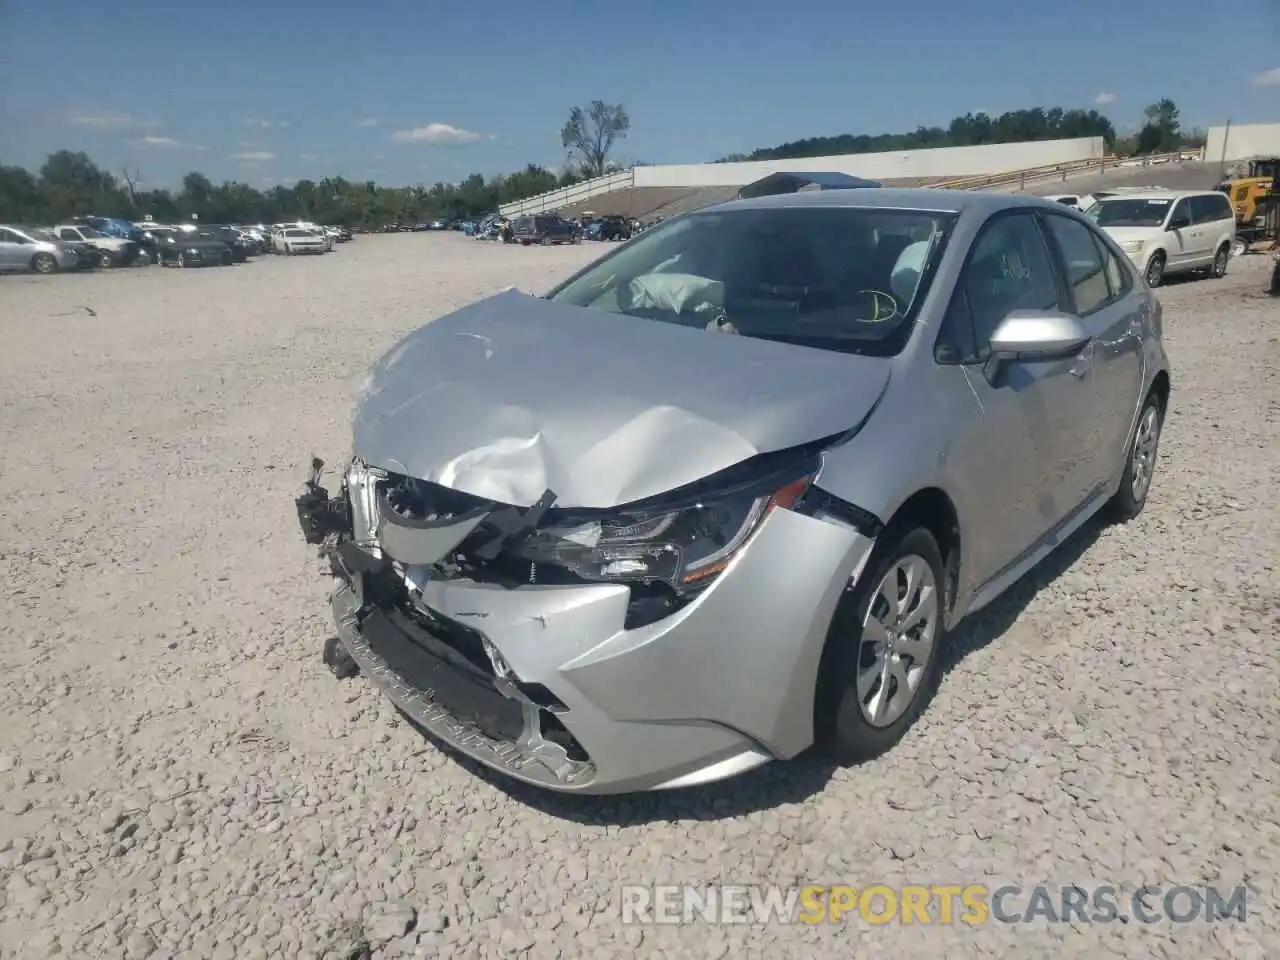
point(906, 272)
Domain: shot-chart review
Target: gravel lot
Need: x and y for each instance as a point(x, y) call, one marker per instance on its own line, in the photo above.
point(181, 776)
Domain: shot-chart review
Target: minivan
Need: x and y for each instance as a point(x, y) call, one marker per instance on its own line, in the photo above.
point(1170, 231)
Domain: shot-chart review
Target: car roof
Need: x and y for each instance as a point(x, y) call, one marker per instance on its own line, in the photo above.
point(890, 198)
point(1158, 194)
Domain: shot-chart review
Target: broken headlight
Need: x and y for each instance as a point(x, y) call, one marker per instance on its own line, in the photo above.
point(682, 540)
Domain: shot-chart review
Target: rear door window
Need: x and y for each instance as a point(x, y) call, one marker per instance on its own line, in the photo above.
point(1210, 208)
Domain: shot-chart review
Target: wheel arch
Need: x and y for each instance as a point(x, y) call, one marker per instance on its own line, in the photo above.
point(1160, 386)
point(932, 509)
point(929, 508)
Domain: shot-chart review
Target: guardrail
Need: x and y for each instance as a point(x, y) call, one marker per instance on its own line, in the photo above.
point(1052, 171)
point(575, 193)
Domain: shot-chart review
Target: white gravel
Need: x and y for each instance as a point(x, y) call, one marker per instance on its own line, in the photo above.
point(182, 777)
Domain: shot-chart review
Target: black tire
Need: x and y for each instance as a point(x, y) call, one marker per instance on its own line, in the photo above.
point(106, 261)
point(1220, 259)
point(44, 263)
point(182, 260)
point(841, 728)
point(1155, 270)
point(1131, 497)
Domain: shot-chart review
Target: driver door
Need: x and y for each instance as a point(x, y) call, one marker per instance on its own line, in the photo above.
point(1024, 458)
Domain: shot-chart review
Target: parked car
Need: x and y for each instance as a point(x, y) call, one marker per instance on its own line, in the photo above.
point(1167, 232)
point(109, 251)
point(795, 473)
point(88, 258)
point(299, 240)
point(544, 228)
point(187, 248)
point(236, 241)
point(23, 248)
point(608, 228)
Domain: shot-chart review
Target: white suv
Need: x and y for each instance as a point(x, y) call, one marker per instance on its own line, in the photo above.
point(1170, 231)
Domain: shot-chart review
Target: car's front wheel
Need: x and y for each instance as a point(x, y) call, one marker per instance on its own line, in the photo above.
point(1140, 462)
point(105, 260)
point(1155, 270)
point(44, 263)
point(882, 657)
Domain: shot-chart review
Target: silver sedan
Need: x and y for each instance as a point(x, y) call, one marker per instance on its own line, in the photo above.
point(722, 494)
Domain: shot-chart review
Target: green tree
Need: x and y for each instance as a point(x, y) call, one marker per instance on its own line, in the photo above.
point(1161, 133)
point(590, 134)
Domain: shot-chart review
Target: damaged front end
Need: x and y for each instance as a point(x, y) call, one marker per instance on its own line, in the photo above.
point(443, 674)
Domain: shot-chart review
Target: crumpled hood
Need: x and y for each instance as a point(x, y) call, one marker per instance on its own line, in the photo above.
point(516, 395)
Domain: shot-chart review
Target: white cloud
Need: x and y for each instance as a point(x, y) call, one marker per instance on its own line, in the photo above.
point(1104, 98)
point(368, 122)
point(163, 143)
point(265, 124)
point(1267, 78)
point(437, 134)
point(254, 156)
point(106, 120)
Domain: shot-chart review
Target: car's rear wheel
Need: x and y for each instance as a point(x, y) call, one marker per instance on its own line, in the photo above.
point(1140, 462)
point(1155, 270)
point(882, 657)
point(44, 263)
point(182, 259)
point(1219, 268)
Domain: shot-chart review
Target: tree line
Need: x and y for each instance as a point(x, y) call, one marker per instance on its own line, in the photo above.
point(71, 183)
point(1160, 133)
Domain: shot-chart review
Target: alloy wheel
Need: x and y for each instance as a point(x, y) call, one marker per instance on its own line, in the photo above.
point(1145, 442)
point(1155, 271)
point(1220, 262)
point(897, 641)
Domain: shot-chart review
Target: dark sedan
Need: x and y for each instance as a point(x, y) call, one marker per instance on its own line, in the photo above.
point(241, 248)
point(183, 248)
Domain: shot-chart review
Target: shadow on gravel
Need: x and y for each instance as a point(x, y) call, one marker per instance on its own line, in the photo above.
point(990, 624)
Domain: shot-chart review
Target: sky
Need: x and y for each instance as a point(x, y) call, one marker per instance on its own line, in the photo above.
point(419, 91)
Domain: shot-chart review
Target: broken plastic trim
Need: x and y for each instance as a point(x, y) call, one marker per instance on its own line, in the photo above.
point(820, 504)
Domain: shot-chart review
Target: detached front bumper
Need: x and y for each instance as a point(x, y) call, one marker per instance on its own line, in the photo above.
point(544, 684)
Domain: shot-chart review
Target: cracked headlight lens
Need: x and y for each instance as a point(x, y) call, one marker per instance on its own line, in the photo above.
point(681, 539)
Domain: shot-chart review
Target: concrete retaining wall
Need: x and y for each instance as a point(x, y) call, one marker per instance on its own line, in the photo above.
point(1242, 141)
point(937, 163)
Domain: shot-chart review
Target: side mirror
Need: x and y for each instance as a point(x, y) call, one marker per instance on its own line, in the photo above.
point(1034, 336)
point(1179, 223)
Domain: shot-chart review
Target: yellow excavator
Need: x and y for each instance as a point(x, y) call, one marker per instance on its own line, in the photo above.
point(1256, 199)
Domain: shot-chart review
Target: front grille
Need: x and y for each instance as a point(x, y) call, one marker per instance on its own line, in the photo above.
point(421, 660)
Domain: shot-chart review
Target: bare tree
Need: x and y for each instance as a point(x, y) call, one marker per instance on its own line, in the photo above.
point(590, 134)
point(131, 181)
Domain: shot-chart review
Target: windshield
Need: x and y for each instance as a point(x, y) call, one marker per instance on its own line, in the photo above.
point(42, 233)
point(1129, 213)
point(90, 234)
point(839, 278)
